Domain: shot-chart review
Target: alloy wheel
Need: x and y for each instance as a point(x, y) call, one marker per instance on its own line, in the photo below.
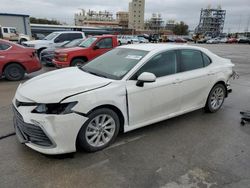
point(217, 98)
point(100, 130)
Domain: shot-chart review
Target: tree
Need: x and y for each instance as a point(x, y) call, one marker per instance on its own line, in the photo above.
point(180, 28)
point(44, 21)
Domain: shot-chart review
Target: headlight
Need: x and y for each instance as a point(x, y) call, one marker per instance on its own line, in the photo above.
point(54, 108)
point(62, 57)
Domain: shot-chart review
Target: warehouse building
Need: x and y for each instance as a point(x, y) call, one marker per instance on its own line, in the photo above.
point(20, 21)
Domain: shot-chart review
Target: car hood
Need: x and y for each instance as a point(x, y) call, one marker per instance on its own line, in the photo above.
point(72, 49)
point(56, 85)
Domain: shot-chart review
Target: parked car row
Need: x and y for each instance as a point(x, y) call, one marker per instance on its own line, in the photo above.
point(231, 40)
point(129, 39)
point(71, 48)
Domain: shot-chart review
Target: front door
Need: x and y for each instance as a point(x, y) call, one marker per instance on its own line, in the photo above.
point(101, 47)
point(154, 101)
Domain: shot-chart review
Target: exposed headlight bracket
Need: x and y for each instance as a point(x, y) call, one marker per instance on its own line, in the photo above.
point(54, 108)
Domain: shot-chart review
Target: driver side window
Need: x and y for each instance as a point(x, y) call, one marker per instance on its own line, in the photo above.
point(160, 65)
point(61, 38)
point(105, 43)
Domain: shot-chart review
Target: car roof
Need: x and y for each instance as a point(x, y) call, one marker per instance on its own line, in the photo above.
point(160, 47)
point(68, 32)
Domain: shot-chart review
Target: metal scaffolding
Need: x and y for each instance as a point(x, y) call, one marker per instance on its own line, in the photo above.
point(211, 22)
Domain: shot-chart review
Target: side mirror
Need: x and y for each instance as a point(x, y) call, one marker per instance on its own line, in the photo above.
point(96, 48)
point(145, 77)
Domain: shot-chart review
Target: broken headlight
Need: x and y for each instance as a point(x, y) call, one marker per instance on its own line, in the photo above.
point(54, 108)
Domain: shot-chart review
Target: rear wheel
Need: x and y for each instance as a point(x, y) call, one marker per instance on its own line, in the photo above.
point(14, 72)
point(99, 131)
point(78, 62)
point(216, 98)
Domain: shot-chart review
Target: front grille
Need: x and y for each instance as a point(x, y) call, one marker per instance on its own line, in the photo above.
point(29, 132)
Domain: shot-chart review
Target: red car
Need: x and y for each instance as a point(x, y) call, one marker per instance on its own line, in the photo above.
point(180, 40)
point(232, 40)
point(16, 60)
point(89, 49)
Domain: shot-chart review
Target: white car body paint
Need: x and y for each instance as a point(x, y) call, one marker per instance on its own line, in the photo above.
point(140, 106)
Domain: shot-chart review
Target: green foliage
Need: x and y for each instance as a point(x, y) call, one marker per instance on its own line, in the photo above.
point(180, 28)
point(44, 21)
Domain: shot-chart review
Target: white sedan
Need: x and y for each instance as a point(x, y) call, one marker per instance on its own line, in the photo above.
point(125, 89)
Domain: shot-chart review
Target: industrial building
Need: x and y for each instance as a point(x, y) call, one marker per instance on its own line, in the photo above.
point(136, 14)
point(122, 18)
point(95, 19)
point(211, 22)
point(20, 21)
point(155, 23)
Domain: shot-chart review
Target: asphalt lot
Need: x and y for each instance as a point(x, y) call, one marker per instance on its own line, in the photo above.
point(193, 150)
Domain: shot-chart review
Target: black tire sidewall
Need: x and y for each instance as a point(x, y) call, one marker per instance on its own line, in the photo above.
point(208, 104)
point(75, 61)
point(81, 140)
point(8, 75)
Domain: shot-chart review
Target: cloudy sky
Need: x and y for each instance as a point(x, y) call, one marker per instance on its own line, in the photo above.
point(237, 18)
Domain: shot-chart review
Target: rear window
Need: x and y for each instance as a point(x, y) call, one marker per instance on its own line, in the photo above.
point(206, 59)
point(74, 36)
point(191, 60)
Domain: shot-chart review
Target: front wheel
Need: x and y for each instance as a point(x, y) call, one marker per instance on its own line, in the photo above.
point(99, 131)
point(216, 98)
point(78, 62)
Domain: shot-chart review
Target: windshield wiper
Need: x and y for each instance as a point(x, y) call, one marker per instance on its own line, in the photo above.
point(94, 73)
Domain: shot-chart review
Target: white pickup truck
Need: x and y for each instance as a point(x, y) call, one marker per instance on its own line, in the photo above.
point(53, 40)
point(11, 34)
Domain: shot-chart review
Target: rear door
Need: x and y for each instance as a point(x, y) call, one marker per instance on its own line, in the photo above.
point(195, 78)
point(74, 36)
point(101, 47)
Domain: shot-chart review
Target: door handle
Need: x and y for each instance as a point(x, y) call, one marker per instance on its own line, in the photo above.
point(177, 81)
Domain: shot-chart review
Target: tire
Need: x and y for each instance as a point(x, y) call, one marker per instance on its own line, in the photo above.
point(77, 62)
point(39, 53)
point(98, 138)
point(216, 98)
point(14, 72)
point(22, 40)
point(119, 43)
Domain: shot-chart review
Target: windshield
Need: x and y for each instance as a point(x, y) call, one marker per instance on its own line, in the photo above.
point(115, 64)
point(88, 42)
point(73, 43)
point(50, 36)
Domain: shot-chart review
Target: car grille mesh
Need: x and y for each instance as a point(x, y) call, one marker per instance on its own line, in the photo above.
point(29, 132)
